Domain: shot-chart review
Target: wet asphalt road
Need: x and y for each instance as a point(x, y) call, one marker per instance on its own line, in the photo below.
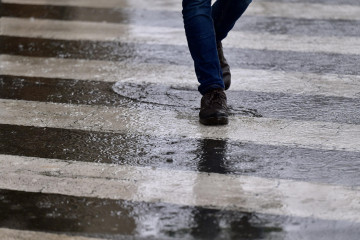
point(99, 132)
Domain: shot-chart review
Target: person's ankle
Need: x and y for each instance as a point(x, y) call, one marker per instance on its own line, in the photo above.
point(225, 68)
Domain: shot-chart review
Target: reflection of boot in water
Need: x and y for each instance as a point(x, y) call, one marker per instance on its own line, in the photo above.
point(206, 224)
point(250, 226)
point(212, 155)
point(234, 225)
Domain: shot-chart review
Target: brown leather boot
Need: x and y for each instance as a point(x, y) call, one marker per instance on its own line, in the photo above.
point(224, 66)
point(214, 110)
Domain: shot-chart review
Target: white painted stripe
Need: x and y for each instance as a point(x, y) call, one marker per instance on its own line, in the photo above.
point(12, 234)
point(90, 3)
point(91, 31)
point(243, 79)
point(270, 9)
point(315, 135)
point(305, 10)
point(245, 193)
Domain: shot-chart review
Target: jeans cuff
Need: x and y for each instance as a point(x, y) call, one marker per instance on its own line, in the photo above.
point(206, 89)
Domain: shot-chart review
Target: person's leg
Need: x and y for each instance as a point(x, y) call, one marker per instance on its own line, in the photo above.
point(225, 13)
point(200, 34)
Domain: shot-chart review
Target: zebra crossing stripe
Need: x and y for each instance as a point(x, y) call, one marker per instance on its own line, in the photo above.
point(314, 135)
point(243, 193)
point(79, 30)
point(270, 9)
point(244, 79)
point(13, 234)
point(305, 10)
point(178, 55)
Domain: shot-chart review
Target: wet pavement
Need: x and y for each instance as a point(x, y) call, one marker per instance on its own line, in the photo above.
point(111, 219)
point(74, 91)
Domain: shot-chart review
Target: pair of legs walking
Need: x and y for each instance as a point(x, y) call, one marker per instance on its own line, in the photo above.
point(205, 27)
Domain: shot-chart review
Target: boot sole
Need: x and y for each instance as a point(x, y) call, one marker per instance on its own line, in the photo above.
point(215, 121)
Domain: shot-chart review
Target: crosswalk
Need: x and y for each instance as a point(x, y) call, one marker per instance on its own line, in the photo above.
point(100, 135)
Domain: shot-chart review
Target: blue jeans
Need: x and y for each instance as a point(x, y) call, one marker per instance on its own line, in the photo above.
point(204, 26)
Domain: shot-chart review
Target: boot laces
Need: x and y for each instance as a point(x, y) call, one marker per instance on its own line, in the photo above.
point(217, 97)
